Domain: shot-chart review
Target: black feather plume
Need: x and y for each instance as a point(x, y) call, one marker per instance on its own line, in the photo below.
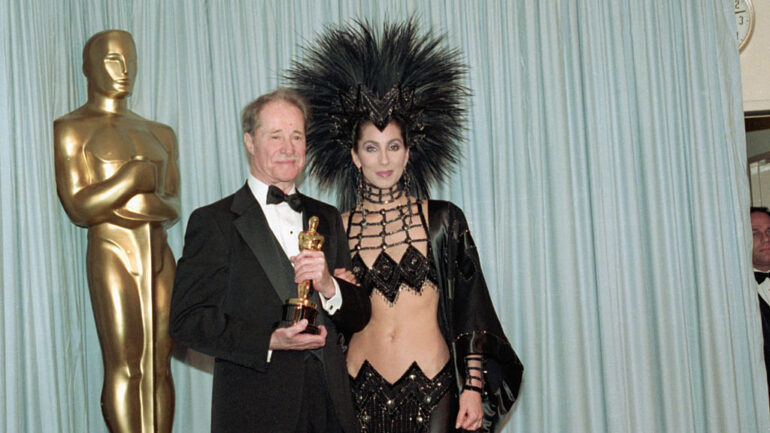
point(354, 73)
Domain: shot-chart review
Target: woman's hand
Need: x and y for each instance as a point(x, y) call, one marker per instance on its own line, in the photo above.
point(470, 415)
point(346, 275)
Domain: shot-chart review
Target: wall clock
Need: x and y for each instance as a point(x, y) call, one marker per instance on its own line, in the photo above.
point(744, 21)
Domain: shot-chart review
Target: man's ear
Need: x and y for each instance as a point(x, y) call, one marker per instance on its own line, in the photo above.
point(248, 143)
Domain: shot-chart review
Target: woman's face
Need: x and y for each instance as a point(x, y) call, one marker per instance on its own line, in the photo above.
point(381, 155)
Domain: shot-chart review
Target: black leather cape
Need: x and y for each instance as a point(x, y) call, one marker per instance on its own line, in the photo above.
point(466, 315)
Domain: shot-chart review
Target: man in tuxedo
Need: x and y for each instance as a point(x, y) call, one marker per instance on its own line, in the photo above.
point(241, 260)
point(760, 229)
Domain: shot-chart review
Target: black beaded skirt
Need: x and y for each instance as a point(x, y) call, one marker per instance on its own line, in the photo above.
point(406, 406)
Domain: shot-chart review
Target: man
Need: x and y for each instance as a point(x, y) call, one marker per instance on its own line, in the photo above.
point(116, 174)
point(760, 229)
point(235, 273)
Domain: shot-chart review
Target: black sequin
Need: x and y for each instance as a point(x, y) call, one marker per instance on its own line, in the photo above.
point(402, 407)
point(387, 276)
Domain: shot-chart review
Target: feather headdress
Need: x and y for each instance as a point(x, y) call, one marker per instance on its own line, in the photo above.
point(354, 74)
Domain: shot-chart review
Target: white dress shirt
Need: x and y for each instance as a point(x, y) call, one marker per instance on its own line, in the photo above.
point(286, 224)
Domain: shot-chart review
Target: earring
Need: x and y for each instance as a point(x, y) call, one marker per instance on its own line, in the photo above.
point(360, 196)
point(360, 185)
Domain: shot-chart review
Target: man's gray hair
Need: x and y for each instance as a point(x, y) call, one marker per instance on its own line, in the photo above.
point(250, 115)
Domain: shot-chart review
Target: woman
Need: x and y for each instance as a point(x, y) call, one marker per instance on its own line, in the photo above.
point(388, 114)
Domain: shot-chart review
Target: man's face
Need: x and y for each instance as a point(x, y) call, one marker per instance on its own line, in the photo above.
point(111, 65)
point(277, 148)
point(760, 229)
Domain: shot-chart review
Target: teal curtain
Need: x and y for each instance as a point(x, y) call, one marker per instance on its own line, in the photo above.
point(604, 179)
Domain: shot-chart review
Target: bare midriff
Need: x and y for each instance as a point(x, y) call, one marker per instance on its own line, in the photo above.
point(398, 335)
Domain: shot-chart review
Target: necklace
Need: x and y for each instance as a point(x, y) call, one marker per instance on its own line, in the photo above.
point(377, 227)
point(378, 195)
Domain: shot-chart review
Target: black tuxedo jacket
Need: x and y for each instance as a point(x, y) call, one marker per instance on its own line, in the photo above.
point(764, 310)
point(230, 285)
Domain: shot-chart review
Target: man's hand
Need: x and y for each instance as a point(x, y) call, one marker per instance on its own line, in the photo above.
point(311, 265)
point(292, 338)
point(470, 414)
point(345, 275)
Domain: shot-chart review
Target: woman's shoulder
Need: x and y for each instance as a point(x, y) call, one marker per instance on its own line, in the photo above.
point(444, 207)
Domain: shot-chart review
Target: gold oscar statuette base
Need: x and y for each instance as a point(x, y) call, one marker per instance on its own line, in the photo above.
point(296, 309)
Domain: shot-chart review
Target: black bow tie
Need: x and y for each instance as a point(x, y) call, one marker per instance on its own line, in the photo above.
point(276, 196)
point(761, 276)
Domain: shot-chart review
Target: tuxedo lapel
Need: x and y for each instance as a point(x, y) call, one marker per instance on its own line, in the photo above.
point(306, 212)
point(255, 231)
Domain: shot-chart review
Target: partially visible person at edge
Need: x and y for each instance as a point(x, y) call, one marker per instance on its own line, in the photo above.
point(433, 356)
point(235, 273)
point(760, 257)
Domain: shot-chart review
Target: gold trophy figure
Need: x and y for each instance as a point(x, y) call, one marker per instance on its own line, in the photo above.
point(296, 309)
point(116, 174)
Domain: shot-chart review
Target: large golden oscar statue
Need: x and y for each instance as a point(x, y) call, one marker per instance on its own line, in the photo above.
point(116, 174)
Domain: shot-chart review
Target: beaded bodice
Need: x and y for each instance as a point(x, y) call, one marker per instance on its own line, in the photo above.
point(386, 275)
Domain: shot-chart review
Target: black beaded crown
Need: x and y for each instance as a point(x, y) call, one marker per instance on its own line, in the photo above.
point(353, 74)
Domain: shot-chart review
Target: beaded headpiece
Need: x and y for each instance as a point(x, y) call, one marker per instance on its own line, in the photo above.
point(353, 74)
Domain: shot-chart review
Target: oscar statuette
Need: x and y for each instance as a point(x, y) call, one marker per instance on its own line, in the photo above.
point(117, 176)
point(296, 309)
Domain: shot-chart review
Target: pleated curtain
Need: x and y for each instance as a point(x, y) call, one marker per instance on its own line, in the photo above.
point(603, 177)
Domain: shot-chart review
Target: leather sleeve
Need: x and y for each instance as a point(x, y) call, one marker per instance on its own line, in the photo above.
point(467, 315)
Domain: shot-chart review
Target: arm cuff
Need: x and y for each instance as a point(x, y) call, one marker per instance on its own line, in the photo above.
point(334, 303)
